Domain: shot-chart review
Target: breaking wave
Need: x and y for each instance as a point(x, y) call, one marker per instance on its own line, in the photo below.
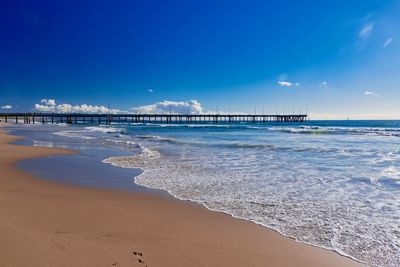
point(339, 130)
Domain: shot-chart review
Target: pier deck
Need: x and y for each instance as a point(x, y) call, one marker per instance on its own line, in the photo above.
point(51, 118)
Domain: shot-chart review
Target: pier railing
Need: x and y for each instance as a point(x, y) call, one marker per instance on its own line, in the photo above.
point(52, 118)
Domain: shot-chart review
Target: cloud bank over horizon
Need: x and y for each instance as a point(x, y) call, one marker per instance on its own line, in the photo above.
point(162, 107)
point(171, 107)
point(50, 105)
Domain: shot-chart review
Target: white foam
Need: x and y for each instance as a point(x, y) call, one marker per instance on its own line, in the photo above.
point(373, 131)
point(74, 134)
point(103, 129)
point(136, 161)
point(43, 143)
point(391, 172)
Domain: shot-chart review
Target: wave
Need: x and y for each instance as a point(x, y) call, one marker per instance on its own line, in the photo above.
point(216, 126)
point(302, 129)
point(136, 161)
point(395, 132)
point(157, 138)
point(391, 173)
point(124, 142)
point(74, 134)
point(153, 137)
point(247, 145)
point(200, 143)
point(104, 129)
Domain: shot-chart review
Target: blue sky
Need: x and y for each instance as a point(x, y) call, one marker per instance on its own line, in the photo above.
point(336, 58)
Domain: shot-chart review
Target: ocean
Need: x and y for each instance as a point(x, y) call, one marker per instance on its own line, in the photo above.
point(331, 184)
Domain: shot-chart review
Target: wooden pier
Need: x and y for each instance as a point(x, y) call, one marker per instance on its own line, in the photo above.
point(52, 118)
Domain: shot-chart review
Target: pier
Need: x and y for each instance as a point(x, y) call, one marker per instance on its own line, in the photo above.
point(51, 118)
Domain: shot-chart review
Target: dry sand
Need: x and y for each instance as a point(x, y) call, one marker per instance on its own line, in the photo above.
point(49, 224)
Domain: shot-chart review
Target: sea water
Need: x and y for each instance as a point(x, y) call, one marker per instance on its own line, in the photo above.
point(332, 184)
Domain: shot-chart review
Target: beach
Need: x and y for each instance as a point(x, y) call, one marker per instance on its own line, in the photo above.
point(44, 223)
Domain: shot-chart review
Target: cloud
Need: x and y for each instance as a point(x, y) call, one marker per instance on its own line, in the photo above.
point(50, 105)
point(48, 102)
point(324, 84)
point(150, 90)
point(369, 93)
point(388, 42)
point(7, 107)
point(363, 37)
point(288, 84)
point(366, 30)
point(167, 107)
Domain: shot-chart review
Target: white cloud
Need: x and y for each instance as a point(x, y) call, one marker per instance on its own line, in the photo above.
point(7, 107)
point(166, 107)
point(288, 84)
point(366, 30)
point(48, 102)
point(324, 84)
point(50, 105)
point(369, 93)
point(150, 90)
point(388, 42)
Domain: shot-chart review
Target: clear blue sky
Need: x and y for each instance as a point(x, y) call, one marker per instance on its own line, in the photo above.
point(336, 58)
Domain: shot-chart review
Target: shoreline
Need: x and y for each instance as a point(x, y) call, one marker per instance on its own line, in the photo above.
point(85, 233)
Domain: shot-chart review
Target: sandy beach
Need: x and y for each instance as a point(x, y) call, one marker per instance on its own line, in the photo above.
point(50, 224)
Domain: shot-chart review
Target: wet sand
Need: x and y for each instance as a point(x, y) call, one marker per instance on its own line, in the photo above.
point(45, 223)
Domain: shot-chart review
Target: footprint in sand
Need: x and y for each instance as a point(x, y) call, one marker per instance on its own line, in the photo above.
point(138, 255)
